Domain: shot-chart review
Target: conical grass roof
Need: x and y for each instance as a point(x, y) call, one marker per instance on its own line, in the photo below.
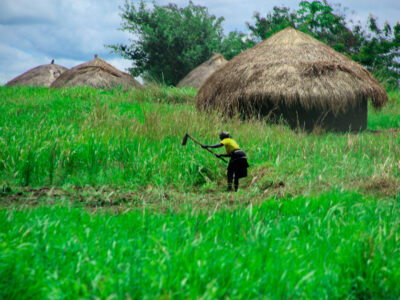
point(98, 74)
point(199, 75)
point(294, 69)
point(43, 75)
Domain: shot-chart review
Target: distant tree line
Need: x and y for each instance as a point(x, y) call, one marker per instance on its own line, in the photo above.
point(169, 41)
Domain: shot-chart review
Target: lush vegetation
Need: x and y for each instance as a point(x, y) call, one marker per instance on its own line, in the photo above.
point(98, 198)
point(171, 41)
point(86, 137)
point(376, 48)
point(338, 245)
point(191, 34)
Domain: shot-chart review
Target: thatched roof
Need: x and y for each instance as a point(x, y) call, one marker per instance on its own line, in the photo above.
point(199, 75)
point(43, 75)
point(290, 68)
point(98, 74)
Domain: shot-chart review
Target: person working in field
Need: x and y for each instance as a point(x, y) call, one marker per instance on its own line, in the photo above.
point(237, 167)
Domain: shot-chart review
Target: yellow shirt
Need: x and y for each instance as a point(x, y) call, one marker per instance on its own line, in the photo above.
point(230, 145)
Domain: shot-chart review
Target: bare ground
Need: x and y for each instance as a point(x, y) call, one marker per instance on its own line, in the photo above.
point(252, 191)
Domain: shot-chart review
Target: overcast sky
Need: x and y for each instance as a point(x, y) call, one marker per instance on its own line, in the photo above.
point(33, 32)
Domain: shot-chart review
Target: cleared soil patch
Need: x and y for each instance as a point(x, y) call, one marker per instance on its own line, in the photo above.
point(117, 199)
point(254, 190)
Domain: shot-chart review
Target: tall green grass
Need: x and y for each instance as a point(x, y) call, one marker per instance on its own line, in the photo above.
point(387, 118)
point(338, 245)
point(311, 240)
point(82, 136)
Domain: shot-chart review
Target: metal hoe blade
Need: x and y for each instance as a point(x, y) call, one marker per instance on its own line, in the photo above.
point(185, 138)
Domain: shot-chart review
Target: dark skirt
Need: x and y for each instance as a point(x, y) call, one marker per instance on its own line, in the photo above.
point(238, 164)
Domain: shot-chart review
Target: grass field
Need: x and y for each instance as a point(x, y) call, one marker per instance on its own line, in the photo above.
point(126, 139)
point(99, 198)
point(338, 245)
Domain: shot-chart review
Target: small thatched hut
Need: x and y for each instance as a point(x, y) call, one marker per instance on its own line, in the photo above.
point(199, 75)
point(43, 75)
point(98, 74)
point(297, 78)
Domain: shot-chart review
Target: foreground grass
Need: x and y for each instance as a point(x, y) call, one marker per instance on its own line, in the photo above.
point(132, 139)
point(337, 245)
point(318, 216)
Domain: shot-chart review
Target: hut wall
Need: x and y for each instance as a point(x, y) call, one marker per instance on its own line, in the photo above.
point(296, 116)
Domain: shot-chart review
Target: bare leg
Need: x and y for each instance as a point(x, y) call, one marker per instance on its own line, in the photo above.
point(236, 183)
point(230, 179)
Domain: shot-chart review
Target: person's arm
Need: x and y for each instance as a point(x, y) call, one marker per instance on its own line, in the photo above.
point(212, 146)
point(216, 146)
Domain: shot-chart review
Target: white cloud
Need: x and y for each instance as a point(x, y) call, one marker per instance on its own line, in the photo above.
point(69, 31)
point(120, 63)
point(27, 12)
point(13, 61)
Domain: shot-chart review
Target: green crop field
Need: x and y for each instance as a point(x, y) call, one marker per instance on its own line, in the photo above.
point(99, 199)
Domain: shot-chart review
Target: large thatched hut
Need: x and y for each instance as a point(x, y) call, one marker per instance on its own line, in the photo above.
point(43, 75)
point(199, 75)
point(294, 77)
point(98, 74)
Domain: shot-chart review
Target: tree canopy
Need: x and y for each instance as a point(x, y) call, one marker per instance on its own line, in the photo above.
point(169, 41)
point(375, 48)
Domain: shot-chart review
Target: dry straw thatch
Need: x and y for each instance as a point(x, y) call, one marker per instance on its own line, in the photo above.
point(199, 75)
point(294, 76)
point(43, 75)
point(98, 74)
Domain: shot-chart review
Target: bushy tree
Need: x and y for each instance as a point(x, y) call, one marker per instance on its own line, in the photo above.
point(170, 41)
point(377, 49)
point(316, 18)
point(319, 19)
point(264, 27)
point(235, 43)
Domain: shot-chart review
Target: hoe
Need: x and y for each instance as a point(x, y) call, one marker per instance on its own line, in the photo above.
point(187, 136)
